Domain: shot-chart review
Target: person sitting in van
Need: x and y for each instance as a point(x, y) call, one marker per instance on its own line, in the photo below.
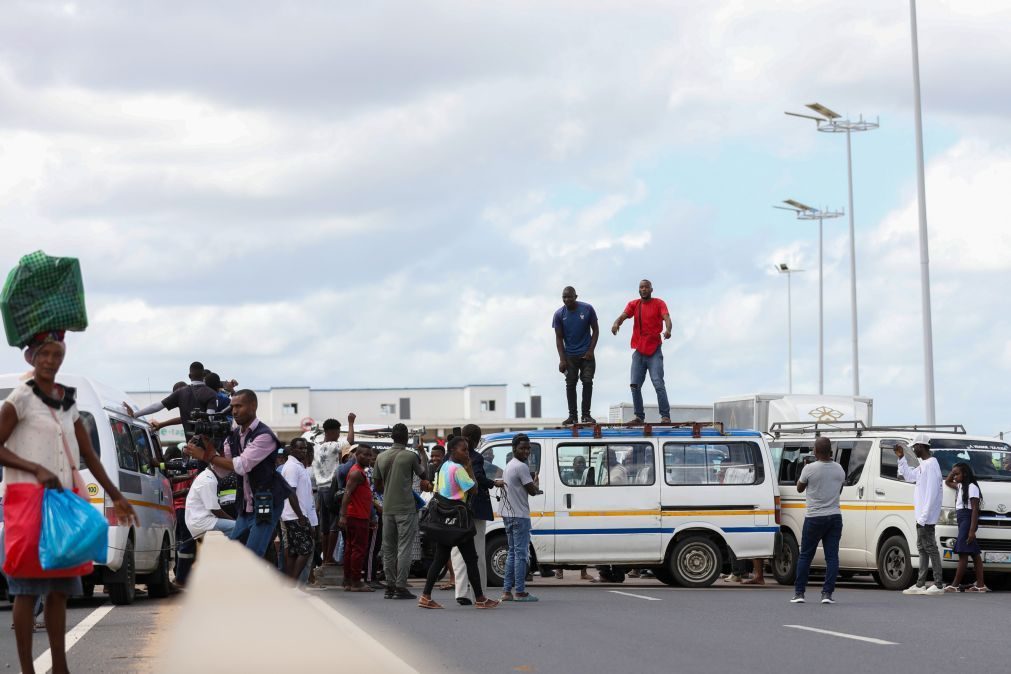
point(927, 506)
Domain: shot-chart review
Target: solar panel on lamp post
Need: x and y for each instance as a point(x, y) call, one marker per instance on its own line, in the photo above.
point(829, 121)
point(784, 268)
point(805, 212)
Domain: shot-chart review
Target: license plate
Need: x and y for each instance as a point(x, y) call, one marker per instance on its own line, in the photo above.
point(997, 557)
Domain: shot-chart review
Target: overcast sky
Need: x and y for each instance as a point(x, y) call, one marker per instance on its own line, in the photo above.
point(395, 194)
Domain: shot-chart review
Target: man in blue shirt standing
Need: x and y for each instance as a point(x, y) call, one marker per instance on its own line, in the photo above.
point(576, 333)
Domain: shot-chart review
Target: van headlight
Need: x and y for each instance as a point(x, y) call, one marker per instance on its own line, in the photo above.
point(948, 517)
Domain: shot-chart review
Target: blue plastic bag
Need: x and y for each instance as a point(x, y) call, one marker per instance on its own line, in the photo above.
point(73, 531)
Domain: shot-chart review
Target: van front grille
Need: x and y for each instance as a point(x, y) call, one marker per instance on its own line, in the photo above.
point(994, 544)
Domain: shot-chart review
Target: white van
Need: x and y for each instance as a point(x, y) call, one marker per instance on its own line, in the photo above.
point(879, 526)
point(131, 456)
point(677, 500)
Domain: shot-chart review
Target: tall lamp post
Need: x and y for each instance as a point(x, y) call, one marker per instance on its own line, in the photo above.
point(784, 268)
point(921, 200)
point(808, 213)
point(832, 122)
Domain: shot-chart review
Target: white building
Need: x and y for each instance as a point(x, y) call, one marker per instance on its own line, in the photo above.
point(288, 409)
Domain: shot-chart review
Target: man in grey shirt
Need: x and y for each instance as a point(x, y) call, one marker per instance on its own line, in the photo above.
point(822, 482)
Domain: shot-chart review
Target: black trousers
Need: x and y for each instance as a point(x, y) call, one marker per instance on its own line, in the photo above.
point(469, 554)
point(582, 370)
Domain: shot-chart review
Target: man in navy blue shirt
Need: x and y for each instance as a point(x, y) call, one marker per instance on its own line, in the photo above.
point(576, 333)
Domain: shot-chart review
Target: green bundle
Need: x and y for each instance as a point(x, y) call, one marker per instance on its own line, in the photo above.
point(42, 294)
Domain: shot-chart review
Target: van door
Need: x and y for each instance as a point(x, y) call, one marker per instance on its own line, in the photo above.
point(853, 501)
point(157, 502)
point(133, 482)
point(607, 502)
point(792, 456)
point(892, 497)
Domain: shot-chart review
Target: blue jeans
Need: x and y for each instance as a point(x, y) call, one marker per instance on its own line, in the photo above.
point(654, 365)
point(827, 530)
point(518, 538)
point(257, 535)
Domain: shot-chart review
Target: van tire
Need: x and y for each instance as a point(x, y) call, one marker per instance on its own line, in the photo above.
point(895, 568)
point(159, 585)
point(123, 593)
point(496, 550)
point(784, 564)
point(696, 561)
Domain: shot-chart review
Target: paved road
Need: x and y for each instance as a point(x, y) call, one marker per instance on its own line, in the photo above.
point(118, 643)
point(595, 629)
point(640, 626)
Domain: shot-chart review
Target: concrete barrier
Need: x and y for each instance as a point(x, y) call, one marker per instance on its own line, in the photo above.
point(239, 615)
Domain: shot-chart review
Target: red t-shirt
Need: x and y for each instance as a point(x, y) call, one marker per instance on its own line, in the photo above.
point(647, 325)
point(360, 505)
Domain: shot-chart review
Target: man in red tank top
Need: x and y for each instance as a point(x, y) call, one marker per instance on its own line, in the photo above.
point(356, 511)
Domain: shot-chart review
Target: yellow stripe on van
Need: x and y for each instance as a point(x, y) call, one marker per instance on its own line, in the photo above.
point(613, 513)
point(716, 513)
point(139, 504)
point(853, 506)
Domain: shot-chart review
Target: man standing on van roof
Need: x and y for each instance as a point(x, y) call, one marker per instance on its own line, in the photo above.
point(195, 396)
point(576, 334)
point(650, 317)
point(927, 505)
point(822, 482)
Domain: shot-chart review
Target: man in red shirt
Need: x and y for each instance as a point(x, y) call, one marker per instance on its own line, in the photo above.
point(650, 317)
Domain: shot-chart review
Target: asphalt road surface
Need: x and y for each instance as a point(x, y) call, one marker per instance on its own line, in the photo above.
point(641, 627)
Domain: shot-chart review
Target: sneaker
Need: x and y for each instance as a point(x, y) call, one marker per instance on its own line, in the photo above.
point(525, 597)
point(934, 590)
point(665, 420)
point(733, 578)
point(637, 421)
point(403, 594)
point(587, 419)
point(464, 601)
point(915, 589)
point(826, 598)
point(798, 599)
point(571, 420)
point(390, 593)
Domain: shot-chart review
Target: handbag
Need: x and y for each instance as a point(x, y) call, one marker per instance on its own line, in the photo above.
point(22, 531)
point(446, 521)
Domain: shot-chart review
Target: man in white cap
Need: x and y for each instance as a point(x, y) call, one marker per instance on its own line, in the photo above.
point(927, 505)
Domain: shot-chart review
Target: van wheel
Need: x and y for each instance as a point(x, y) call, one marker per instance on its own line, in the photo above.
point(784, 564)
point(158, 584)
point(895, 570)
point(123, 593)
point(496, 552)
point(696, 562)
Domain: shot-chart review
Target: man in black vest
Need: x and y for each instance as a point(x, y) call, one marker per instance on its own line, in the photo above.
point(249, 452)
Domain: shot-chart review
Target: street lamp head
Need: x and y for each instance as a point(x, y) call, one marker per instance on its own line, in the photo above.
point(797, 205)
point(783, 268)
point(823, 111)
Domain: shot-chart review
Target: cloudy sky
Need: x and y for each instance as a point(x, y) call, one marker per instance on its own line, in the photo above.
point(394, 194)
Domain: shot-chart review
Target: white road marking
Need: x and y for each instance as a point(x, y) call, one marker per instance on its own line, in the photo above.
point(637, 596)
point(870, 640)
point(353, 632)
point(44, 662)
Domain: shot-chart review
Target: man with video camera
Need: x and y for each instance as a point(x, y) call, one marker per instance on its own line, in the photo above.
point(189, 397)
point(250, 451)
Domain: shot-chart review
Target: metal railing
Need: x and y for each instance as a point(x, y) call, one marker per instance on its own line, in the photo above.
point(858, 427)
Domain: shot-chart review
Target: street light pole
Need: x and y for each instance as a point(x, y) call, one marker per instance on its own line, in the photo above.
point(832, 122)
point(805, 212)
point(784, 268)
point(921, 199)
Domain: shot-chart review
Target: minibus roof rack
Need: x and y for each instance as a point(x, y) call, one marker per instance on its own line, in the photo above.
point(647, 428)
point(781, 428)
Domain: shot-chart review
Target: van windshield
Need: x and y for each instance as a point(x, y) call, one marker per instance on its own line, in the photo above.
point(989, 460)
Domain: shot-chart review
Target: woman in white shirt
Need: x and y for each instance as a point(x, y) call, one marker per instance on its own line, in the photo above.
point(968, 497)
point(42, 441)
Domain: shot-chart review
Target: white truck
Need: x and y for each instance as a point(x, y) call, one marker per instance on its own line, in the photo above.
point(761, 410)
point(622, 413)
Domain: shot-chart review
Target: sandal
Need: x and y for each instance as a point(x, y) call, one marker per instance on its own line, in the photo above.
point(952, 588)
point(487, 603)
point(977, 588)
point(428, 603)
point(447, 586)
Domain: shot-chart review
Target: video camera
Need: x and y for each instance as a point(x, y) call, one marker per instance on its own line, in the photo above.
point(182, 466)
point(212, 425)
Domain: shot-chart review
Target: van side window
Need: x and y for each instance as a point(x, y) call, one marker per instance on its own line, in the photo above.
point(793, 458)
point(603, 465)
point(852, 455)
point(720, 463)
point(497, 456)
point(143, 446)
point(125, 450)
point(88, 420)
point(890, 462)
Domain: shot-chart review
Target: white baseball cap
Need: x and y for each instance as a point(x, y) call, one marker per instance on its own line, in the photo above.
point(921, 439)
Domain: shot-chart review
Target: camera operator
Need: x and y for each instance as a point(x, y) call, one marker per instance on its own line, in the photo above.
point(181, 474)
point(250, 451)
point(193, 396)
